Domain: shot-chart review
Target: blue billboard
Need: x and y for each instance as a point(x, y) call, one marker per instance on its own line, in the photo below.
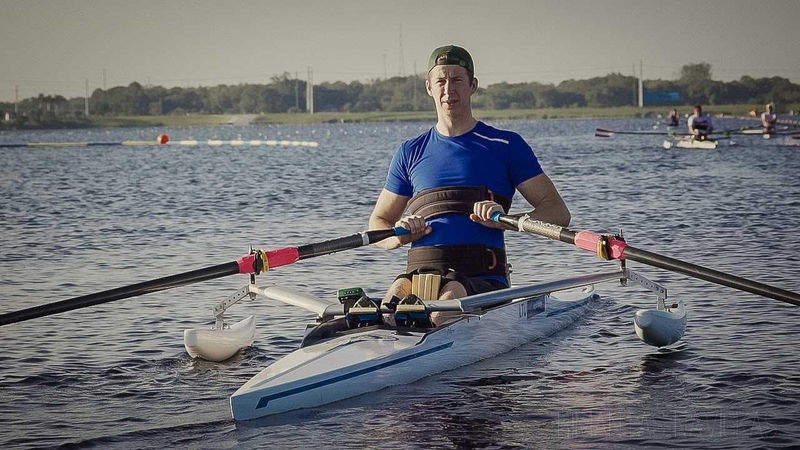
point(662, 98)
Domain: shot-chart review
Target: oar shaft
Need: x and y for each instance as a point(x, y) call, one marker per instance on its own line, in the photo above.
point(133, 290)
point(600, 132)
point(707, 274)
point(619, 249)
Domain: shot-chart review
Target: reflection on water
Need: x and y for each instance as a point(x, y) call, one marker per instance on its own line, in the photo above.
point(79, 220)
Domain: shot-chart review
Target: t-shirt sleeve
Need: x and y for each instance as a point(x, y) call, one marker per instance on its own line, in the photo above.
point(398, 180)
point(523, 165)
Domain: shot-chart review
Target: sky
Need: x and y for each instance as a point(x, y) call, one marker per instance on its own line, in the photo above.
point(53, 46)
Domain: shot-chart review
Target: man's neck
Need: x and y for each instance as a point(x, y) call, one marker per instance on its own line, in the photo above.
point(455, 126)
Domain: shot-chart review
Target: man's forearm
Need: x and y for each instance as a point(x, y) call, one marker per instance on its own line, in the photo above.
point(555, 212)
point(379, 223)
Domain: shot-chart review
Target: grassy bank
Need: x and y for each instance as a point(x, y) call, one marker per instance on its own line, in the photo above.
point(159, 121)
point(506, 114)
point(352, 117)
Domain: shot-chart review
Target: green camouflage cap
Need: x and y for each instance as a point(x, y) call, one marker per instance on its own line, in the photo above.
point(451, 54)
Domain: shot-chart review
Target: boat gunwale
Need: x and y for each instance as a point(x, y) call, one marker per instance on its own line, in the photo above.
point(469, 306)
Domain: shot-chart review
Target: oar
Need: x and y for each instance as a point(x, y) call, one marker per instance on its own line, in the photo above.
point(612, 247)
point(258, 262)
point(755, 132)
point(606, 133)
point(743, 132)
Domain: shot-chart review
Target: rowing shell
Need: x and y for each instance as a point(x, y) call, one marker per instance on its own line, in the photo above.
point(335, 363)
point(708, 144)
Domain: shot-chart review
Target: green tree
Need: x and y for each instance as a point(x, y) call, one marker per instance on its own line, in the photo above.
point(695, 73)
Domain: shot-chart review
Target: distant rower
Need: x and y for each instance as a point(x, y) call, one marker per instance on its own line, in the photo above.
point(673, 118)
point(700, 125)
point(769, 119)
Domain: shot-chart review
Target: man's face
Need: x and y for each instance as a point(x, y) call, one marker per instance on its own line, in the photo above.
point(698, 111)
point(451, 89)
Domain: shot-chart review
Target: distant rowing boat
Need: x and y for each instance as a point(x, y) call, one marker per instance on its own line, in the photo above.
point(719, 139)
point(689, 143)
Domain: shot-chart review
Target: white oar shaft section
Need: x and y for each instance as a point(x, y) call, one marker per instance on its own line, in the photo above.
point(606, 133)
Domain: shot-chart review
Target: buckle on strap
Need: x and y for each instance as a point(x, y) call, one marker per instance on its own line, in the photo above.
point(494, 258)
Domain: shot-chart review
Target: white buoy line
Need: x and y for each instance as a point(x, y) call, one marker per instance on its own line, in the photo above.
point(164, 140)
point(243, 143)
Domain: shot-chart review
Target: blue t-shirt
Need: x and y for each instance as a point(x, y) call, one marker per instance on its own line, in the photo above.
point(485, 156)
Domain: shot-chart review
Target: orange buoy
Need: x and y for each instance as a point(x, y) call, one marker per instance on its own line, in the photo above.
point(162, 139)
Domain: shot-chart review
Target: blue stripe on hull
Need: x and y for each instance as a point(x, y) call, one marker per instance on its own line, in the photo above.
point(264, 401)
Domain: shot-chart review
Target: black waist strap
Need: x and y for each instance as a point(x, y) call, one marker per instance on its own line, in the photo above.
point(445, 200)
point(471, 260)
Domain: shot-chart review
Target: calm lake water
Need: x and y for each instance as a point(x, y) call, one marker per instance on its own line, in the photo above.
point(79, 220)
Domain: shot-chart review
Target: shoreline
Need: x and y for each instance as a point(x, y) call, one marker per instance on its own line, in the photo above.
point(190, 120)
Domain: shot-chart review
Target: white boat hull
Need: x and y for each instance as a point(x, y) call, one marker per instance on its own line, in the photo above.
point(214, 344)
point(358, 362)
point(661, 328)
point(705, 145)
point(709, 144)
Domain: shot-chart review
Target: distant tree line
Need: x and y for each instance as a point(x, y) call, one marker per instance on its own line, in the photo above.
point(287, 94)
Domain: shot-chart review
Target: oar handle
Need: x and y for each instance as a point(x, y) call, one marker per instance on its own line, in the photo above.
point(348, 242)
point(612, 247)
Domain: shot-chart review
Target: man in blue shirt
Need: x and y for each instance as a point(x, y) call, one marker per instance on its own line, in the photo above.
point(452, 178)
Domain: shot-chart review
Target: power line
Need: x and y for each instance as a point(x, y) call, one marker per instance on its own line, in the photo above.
point(401, 69)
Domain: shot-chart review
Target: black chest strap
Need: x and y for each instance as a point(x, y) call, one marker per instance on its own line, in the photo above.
point(434, 202)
